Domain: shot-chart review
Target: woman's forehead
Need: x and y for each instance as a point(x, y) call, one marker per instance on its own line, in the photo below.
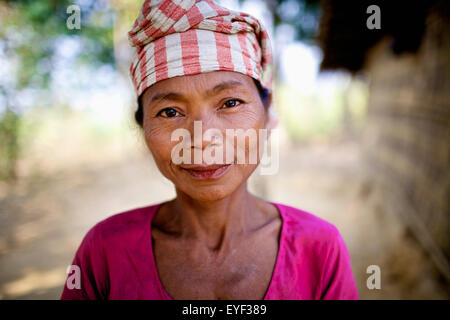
point(207, 83)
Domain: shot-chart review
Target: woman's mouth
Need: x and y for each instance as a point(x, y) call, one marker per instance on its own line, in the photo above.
point(206, 172)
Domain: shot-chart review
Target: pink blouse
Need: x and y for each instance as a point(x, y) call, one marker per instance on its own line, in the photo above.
point(116, 260)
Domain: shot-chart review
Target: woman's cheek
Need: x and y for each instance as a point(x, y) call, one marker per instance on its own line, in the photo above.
point(158, 139)
point(250, 117)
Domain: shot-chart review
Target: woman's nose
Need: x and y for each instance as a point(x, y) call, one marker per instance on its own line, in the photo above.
point(204, 131)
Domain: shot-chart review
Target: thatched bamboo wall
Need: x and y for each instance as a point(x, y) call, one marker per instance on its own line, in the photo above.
point(406, 141)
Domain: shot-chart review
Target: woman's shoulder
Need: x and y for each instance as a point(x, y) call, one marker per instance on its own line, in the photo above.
point(316, 255)
point(130, 223)
point(299, 223)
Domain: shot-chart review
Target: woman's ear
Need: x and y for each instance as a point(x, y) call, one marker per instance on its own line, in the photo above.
point(271, 120)
point(268, 99)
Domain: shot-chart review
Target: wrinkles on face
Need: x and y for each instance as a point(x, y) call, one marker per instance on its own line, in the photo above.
point(221, 100)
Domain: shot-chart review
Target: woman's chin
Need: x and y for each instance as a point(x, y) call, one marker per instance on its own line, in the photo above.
point(207, 192)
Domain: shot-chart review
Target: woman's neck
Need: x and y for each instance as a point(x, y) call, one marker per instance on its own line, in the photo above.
point(214, 223)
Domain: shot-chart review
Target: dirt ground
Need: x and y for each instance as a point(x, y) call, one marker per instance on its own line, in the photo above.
point(44, 217)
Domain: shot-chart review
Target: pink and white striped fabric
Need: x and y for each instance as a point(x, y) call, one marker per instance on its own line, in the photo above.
point(186, 37)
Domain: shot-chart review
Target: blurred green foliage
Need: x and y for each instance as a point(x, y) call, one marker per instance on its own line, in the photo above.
point(30, 32)
point(302, 15)
point(316, 117)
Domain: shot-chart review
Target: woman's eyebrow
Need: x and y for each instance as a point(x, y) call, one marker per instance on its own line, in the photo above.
point(168, 96)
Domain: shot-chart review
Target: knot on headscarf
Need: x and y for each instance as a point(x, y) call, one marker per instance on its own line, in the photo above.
point(186, 37)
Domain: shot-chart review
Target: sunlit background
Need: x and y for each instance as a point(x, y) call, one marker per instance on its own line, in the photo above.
point(363, 120)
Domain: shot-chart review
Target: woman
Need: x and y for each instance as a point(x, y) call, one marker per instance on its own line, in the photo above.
point(198, 63)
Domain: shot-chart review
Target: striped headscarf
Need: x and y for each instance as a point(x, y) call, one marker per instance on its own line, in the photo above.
point(187, 37)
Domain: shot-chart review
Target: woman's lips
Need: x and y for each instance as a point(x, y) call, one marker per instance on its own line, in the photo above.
point(206, 172)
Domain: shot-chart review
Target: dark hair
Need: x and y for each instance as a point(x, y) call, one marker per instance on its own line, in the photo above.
point(263, 94)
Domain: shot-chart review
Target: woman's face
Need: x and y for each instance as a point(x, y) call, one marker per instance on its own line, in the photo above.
point(221, 100)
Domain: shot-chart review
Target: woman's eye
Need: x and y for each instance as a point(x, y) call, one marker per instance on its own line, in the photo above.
point(231, 103)
point(168, 113)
